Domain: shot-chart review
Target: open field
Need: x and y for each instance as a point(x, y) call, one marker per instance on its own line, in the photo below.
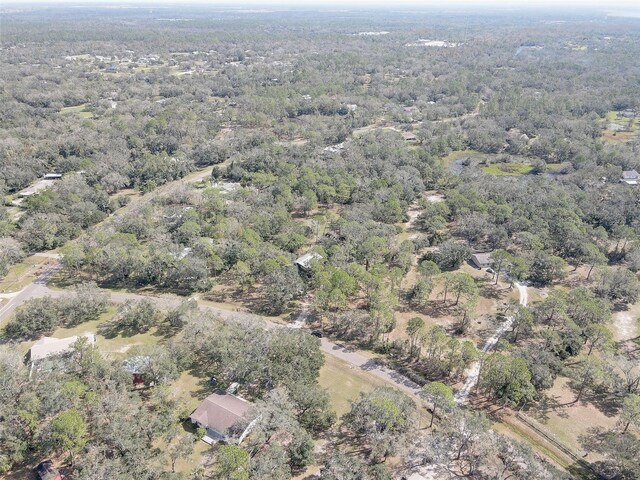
point(81, 110)
point(344, 383)
point(508, 169)
point(620, 128)
point(566, 421)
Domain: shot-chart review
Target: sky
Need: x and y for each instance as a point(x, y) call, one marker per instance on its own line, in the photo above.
point(603, 4)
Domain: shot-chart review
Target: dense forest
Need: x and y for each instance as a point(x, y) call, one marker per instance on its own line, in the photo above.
point(465, 182)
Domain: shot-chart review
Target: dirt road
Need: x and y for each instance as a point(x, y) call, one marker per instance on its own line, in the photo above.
point(474, 371)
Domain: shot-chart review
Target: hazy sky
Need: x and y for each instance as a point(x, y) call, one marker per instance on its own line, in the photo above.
point(604, 4)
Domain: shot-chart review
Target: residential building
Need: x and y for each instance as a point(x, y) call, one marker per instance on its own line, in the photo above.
point(49, 346)
point(630, 177)
point(481, 260)
point(305, 262)
point(219, 413)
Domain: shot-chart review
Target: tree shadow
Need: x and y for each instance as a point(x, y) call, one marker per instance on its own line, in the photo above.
point(114, 328)
point(605, 403)
point(545, 406)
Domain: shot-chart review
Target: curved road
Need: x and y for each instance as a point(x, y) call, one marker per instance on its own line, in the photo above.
point(342, 352)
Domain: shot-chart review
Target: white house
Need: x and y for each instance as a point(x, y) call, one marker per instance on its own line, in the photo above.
point(630, 177)
point(49, 346)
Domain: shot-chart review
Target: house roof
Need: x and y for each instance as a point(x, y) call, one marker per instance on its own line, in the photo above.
point(482, 258)
point(137, 364)
point(630, 174)
point(408, 135)
point(49, 346)
point(416, 476)
point(220, 411)
point(306, 259)
point(46, 471)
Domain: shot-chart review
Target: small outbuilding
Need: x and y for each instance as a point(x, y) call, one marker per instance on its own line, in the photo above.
point(305, 262)
point(481, 260)
point(219, 413)
point(136, 366)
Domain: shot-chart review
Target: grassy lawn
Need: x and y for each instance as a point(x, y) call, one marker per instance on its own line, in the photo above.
point(79, 109)
point(22, 274)
point(553, 167)
point(455, 155)
point(345, 382)
point(508, 169)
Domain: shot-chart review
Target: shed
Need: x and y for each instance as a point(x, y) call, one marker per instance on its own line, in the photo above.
point(219, 412)
point(136, 367)
point(305, 261)
point(481, 260)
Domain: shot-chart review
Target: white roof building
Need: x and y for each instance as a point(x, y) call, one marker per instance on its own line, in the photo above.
point(304, 262)
point(630, 177)
point(49, 346)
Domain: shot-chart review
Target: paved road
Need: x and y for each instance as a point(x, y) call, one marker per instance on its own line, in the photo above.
point(474, 371)
point(353, 357)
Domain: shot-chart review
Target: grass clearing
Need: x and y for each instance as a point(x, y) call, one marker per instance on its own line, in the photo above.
point(345, 382)
point(80, 110)
point(508, 169)
point(566, 420)
point(620, 128)
point(23, 273)
point(455, 155)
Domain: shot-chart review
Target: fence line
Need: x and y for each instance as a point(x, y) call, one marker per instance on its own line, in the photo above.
point(558, 444)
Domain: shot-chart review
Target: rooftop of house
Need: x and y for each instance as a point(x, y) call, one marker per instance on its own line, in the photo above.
point(482, 258)
point(50, 346)
point(220, 411)
point(46, 471)
point(409, 135)
point(137, 364)
point(305, 260)
point(630, 175)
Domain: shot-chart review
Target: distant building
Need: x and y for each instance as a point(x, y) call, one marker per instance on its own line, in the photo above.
point(409, 137)
point(52, 176)
point(414, 476)
point(305, 262)
point(220, 412)
point(49, 346)
point(630, 177)
point(481, 260)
